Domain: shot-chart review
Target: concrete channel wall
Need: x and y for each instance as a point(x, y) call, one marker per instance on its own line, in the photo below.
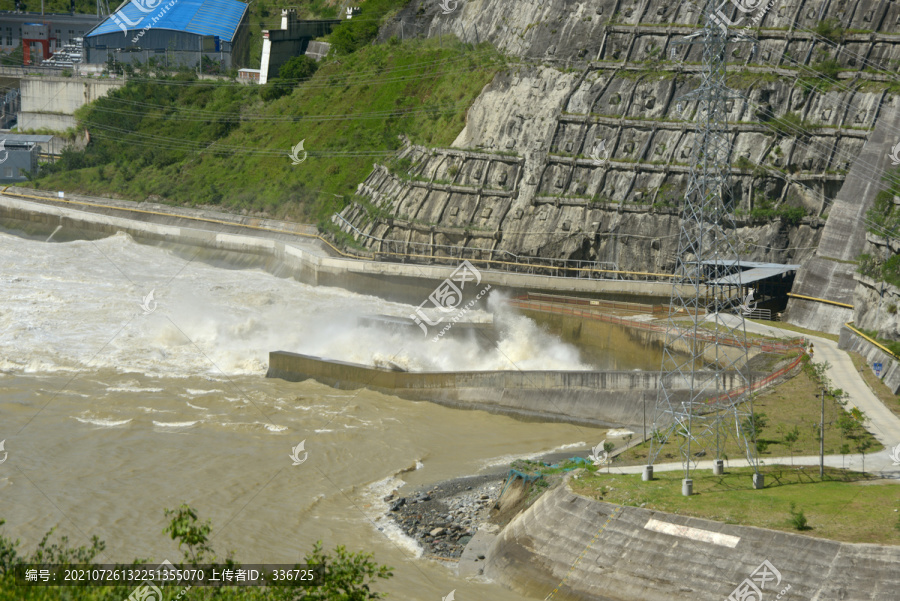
point(605, 552)
point(591, 398)
point(851, 341)
point(289, 253)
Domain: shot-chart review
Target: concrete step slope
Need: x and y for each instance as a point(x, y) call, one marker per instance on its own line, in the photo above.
point(844, 235)
point(552, 545)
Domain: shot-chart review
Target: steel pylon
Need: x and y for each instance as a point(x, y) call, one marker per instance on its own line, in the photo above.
point(703, 396)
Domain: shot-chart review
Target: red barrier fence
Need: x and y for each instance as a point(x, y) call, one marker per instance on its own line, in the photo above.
point(531, 302)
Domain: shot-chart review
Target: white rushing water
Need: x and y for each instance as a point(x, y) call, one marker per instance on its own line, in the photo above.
point(79, 304)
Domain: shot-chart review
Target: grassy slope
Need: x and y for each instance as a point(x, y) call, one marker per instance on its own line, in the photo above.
point(844, 507)
point(792, 403)
point(384, 78)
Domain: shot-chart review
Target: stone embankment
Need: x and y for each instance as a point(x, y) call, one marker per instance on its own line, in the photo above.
point(444, 518)
point(595, 551)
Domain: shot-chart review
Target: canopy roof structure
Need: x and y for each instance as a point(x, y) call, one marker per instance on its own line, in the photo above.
point(751, 271)
point(201, 17)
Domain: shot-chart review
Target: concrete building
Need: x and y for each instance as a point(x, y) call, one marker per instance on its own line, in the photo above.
point(19, 155)
point(177, 32)
point(248, 75)
point(42, 35)
point(293, 39)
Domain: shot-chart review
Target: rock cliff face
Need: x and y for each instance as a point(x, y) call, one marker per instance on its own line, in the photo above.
point(877, 303)
point(583, 150)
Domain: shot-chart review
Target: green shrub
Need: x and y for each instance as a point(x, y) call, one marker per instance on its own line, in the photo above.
point(798, 519)
point(830, 29)
point(298, 68)
point(827, 68)
point(274, 89)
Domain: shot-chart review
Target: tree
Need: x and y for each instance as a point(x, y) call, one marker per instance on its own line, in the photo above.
point(346, 577)
point(608, 448)
point(863, 444)
point(297, 69)
point(790, 439)
point(755, 424)
point(185, 529)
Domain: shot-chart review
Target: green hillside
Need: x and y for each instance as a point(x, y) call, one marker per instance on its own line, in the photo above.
point(178, 140)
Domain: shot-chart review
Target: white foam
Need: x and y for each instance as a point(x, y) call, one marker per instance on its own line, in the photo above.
point(175, 424)
point(152, 410)
point(104, 422)
point(195, 392)
point(507, 459)
point(132, 389)
point(196, 407)
point(619, 432)
point(376, 509)
point(275, 428)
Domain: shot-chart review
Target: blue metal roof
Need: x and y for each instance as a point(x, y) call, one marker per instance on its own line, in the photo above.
point(202, 17)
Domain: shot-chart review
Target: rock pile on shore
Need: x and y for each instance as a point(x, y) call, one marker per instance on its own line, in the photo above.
point(445, 517)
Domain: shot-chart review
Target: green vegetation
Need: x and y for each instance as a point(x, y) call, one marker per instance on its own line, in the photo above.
point(847, 506)
point(764, 210)
point(887, 396)
point(346, 576)
point(783, 325)
point(789, 406)
point(830, 29)
point(891, 345)
point(789, 125)
point(218, 143)
point(880, 270)
point(798, 519)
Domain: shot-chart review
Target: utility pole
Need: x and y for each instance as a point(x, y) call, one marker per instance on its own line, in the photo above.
point(822, 440)
point(822, 435)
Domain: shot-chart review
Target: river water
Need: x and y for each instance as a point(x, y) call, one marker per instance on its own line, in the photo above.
point(112, 412)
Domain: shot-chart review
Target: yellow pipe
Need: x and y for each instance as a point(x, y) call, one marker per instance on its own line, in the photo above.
point(821, 300)
point(870, 340)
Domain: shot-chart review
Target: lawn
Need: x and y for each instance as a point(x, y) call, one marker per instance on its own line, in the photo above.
point(847, 506)
point(790, 404)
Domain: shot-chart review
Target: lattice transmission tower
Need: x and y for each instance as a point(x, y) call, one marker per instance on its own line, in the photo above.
point(703, 396)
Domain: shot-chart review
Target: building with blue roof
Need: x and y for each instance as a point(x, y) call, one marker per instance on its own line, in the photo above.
point(174, 32)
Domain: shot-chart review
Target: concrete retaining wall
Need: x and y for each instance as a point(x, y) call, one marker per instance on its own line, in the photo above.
point(51, 102)
point(851, 341)
point(592, 398)
point(293, 256)
point(628, 562)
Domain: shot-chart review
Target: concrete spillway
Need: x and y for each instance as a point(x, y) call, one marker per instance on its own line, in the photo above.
point(590, 398)
point(830, 273)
